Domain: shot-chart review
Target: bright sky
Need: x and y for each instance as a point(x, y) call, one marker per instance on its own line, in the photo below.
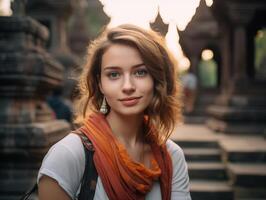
point(137, 12)
point(5, 7)
point(176, 13)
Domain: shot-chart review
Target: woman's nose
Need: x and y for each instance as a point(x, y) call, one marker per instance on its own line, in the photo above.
point(128, 85)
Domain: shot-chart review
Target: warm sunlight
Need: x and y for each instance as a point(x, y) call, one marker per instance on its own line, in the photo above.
point(136, 12)
point(5, 8)
point(178, 11)
point(172, 41)
point(175, 13)
point(209, 2)
point(184, 64)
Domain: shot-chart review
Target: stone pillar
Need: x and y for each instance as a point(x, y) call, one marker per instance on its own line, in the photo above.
point(79, 40)
point(241, 105)
point(55, 14)
point(240, 17)
point(27, 125)
point(239, 52)
point(226, 55)
point(194, 62)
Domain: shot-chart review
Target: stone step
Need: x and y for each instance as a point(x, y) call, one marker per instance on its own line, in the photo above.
point(197, 143)
point(202, 103)
point(247, 126)
point(247, 149)
point(195, 119)
point(210, 190)
point(257, 101)
point(247, 174)
point(238, 114)
point(206, 99)
point(202, 154)
point(244, 156)
point(16, 187)
point(207, 170)
point(199, 110)
point(6, 174)
point(243, 149)
point(16, 197)
point(250, 198)
point(249, 193)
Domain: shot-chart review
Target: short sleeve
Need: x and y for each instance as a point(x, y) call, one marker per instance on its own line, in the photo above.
point(65, 162)
point(180, 180)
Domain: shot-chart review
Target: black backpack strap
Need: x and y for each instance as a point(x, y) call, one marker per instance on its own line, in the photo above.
point(31, 191)
point(89, 179)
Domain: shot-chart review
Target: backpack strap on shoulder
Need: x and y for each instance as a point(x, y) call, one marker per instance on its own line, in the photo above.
point(89, 179)
point(32, 190)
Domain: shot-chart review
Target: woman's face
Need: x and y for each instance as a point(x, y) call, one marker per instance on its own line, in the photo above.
point(125, 80)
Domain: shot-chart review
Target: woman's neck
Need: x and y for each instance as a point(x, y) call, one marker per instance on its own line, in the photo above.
point(127, 129)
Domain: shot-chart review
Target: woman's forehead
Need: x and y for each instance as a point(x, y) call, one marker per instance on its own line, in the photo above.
point(119, 55)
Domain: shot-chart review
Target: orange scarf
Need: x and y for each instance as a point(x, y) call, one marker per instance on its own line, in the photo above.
point(122, 178)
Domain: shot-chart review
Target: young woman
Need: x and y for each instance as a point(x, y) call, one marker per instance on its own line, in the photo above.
point(128, 106)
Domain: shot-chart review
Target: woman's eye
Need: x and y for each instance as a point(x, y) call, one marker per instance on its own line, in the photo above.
point(141, 72)
point(113, 75)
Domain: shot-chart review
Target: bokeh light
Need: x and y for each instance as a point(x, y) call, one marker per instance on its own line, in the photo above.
point(184, 64)
point(209, 2)
point(207, 54)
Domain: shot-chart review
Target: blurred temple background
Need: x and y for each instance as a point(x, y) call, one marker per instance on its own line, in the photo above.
point(221, 43)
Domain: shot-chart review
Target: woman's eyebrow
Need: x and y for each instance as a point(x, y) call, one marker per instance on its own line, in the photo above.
point(117, 67)
point(111, 67)
point(138, 65)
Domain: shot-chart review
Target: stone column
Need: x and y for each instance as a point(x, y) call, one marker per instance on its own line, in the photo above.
point(27, 125)
point(226, 54)
point(55, 14)
point(240, 17)
point(241, 106)
point(79, 40)
point(194, 62)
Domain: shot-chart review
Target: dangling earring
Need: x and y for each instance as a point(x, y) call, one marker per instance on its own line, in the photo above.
point(103, 108)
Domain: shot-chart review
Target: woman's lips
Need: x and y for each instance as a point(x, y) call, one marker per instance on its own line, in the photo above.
point(130, 101)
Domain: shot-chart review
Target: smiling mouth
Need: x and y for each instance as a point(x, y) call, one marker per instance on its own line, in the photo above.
point(129, 98)
point(131, 101)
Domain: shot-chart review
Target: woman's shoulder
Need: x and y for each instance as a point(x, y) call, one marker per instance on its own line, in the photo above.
point(180, 179)
point(65, 162)
point(68, 149)
point(173, 148)
point(71, 141)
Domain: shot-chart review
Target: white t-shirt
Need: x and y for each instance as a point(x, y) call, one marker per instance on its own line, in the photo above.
point(65, 162)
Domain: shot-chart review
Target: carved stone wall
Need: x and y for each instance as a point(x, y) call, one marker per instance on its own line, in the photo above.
point(27, 125)
point(55, 15)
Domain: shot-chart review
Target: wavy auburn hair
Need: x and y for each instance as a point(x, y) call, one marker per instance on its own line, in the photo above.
point(164, 110)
